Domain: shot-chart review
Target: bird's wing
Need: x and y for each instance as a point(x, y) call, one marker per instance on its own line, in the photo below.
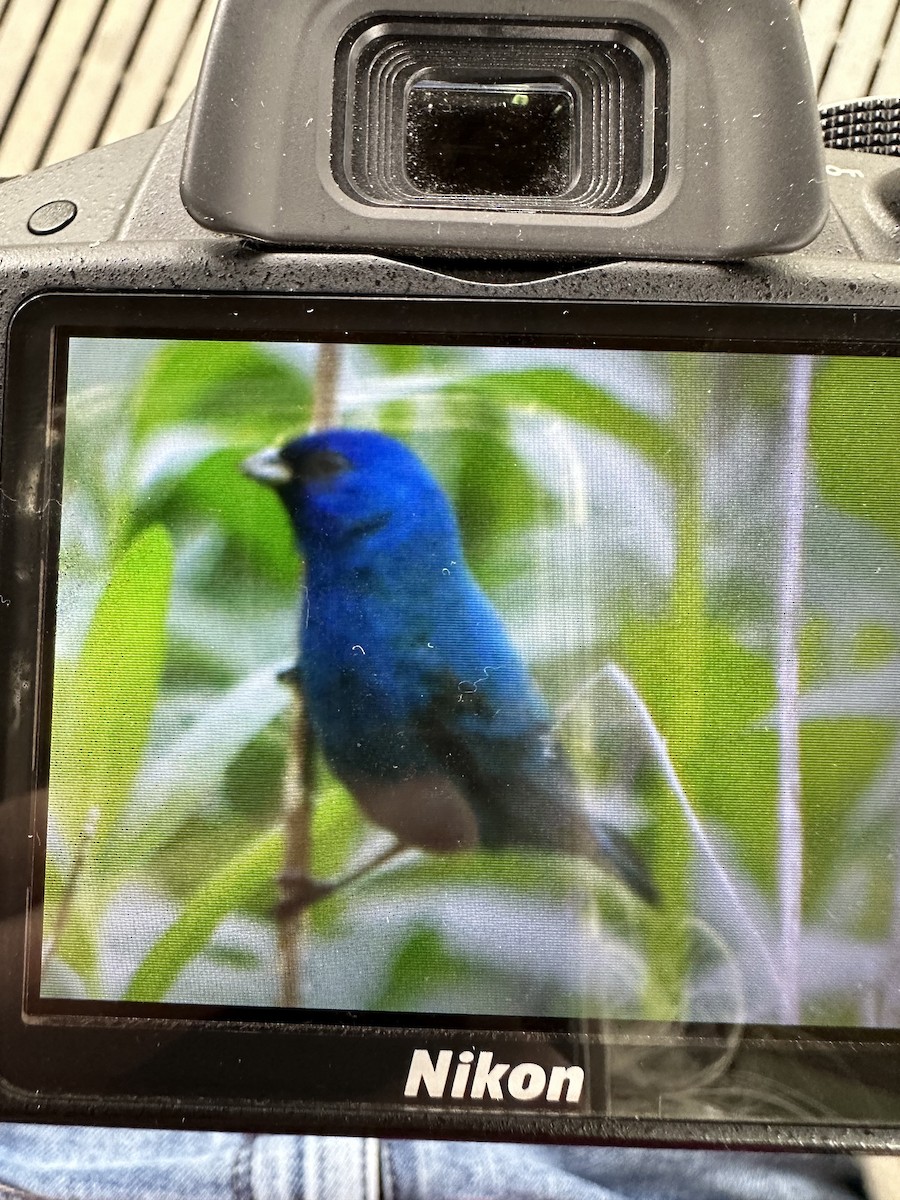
point(497, 745)
point(518, 781)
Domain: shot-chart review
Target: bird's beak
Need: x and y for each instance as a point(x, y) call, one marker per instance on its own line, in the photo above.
point(267, 466)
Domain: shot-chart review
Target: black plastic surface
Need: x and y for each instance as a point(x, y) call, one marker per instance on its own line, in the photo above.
point(744, 172)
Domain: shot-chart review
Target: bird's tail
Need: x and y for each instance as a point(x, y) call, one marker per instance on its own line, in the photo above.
point(617, 853)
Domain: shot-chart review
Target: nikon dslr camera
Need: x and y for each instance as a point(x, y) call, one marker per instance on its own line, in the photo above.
point(450, 596)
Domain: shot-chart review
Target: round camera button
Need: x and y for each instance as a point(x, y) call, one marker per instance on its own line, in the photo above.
point(52, 217)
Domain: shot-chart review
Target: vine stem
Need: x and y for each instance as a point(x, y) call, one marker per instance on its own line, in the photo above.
point(299, 782)
point(661, 753)
point(328, 365)
point(789, 615)
point(297, 814)
point(886, 1009)
point(79, 862)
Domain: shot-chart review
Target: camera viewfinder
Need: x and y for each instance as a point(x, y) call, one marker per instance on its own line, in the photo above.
point(491, 139)
point(494, 116)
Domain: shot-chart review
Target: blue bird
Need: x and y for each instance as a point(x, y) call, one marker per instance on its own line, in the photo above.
point(420, 703)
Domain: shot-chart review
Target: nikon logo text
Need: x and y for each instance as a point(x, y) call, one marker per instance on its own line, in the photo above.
point(485, 1079)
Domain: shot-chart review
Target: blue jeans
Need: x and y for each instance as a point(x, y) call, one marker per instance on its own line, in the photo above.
point(108, 1164)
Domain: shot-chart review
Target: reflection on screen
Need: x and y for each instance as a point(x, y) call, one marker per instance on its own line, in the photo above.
point(532, 683)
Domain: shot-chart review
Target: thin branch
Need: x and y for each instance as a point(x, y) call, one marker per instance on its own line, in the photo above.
point(79, 862)
point(891, 988)
point(371, 864)
point(301, 892)
point(886, 1006)
point(328, 365)
point(297, 801)
point(661, 752)
point(297, 813)
point(789, 615)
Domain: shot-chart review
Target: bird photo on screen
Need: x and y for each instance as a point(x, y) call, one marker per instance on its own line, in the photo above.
point(420, 703)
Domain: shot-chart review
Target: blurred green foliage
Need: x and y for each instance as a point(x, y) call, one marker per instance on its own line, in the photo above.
point(231, 387)
point(253, 526)
point(855, 438)
point(103, 708)
point(178, 604)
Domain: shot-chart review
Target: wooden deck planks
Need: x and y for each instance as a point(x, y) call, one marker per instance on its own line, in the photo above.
point(822, 21)
point(44, 93)
point(21, 28)
point(147, 76)
point(182, 82)
point(887, 77)
point(858, 51)
point(80, 73)
point(100, 73)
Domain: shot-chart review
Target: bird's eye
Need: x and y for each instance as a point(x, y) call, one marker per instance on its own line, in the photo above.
point(323, 464)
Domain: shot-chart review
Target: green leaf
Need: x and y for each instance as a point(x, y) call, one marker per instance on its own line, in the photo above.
point(234, 885)
point(812, 647)
point(102, 711)
point(187, 773)
point(493, 492)
point(873, 646)
point(253, 521)
point(399, 360)
point(199, 845)
point(560, 391)
point(232, 956)
point(855, 438)
point(422, 964)
point(541, 877)
point(337, 827)
point(77, 946)
point(712, 716)
point(245, 881)
point(253, 781)
point(838, 761)
point(731, 773)
point(234, 387)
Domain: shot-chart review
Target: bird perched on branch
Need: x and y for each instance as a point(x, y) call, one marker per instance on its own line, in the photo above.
point(422, 706)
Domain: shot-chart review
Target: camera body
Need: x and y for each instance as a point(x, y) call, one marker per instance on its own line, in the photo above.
point(113, 219)
point(274, 153)
point(263, 213)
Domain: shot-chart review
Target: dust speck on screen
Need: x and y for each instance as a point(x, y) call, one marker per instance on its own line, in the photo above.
point(521, 682)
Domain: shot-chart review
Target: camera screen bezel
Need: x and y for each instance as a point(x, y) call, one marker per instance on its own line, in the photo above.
point(344, 1071)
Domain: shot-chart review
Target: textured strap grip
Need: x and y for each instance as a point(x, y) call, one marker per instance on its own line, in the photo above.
point(870, 125)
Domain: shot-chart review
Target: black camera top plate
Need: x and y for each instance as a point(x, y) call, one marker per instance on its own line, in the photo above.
point(743, 173)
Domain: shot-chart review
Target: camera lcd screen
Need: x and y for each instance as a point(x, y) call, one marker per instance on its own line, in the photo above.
point(533, 683)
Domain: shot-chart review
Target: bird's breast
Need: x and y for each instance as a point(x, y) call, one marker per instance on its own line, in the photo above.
point(363, 680)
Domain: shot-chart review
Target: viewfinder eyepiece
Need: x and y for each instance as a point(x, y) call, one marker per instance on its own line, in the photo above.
point(476, 129)
point(471, 138)
point(500, 116)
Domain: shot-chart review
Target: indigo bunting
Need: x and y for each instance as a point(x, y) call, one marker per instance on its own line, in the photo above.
point(420, 703)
